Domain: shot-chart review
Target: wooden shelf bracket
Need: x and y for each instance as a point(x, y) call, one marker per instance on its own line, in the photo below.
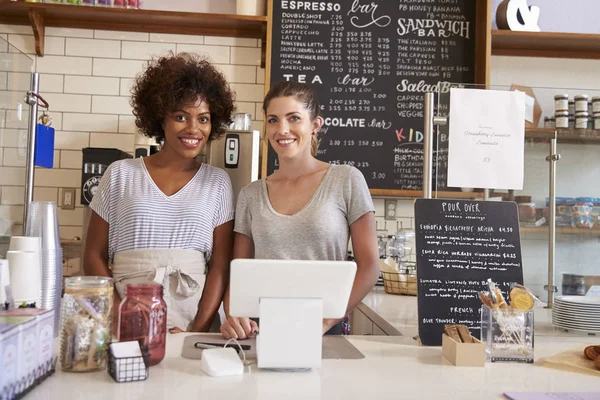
point(39, 29)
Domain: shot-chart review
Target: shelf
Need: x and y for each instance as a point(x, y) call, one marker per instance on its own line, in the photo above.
point(561, 230)
point(568, 136)
point(545, 44)
point(40, 15)
point(419, 193)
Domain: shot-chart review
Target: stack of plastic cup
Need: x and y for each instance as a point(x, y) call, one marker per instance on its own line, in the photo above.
point(42, 222)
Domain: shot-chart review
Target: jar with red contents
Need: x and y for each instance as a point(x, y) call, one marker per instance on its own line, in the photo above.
point(143, 317)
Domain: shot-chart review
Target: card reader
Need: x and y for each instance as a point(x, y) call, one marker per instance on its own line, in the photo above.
point(232, 150)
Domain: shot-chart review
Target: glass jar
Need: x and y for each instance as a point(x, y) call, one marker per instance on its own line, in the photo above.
point(561, 102)
point(527, 213)
point(143, 317)
point(596, 104)
point(85, 328)
point(581, 120)
point(549, 122)
point(561, 119)
point(581, 103)
point(597, 120)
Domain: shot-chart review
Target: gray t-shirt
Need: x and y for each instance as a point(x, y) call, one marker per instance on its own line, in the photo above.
point(320, 231)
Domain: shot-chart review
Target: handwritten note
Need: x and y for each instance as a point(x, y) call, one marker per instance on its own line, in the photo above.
point(486, 139)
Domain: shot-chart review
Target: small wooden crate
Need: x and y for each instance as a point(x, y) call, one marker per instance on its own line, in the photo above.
point(399, 283)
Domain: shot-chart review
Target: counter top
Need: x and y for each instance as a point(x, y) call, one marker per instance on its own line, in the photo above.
point(393, 368)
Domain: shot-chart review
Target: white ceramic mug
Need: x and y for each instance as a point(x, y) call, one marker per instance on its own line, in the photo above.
point(25, 243)
point(25, 276)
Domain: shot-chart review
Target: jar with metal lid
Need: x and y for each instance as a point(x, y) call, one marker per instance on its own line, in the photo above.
point(573, 285)
point(597, 120)
point(561, 102)
point(527, 213)
point(596, 104)
point(572, 107)
point(581, 120)
point(549, 122)
point(561, 119)
point(143, 317)
point(581, 103)
point(85, 328)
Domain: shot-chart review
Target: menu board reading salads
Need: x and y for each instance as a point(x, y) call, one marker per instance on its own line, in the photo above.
point(371, 62)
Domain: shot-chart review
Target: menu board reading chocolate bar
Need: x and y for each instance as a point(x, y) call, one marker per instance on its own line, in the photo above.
point(460, 245)
point(371, 62)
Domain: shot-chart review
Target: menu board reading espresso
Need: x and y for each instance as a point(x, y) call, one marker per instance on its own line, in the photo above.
point(371, 62)
point(460, 245)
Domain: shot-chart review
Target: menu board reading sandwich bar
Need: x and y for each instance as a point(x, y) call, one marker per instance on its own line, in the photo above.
point(371, 63)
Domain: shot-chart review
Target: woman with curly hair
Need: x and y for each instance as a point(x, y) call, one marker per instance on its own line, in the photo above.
point(168, 218)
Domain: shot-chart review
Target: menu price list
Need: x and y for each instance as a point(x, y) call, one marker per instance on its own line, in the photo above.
point(371, 63)
point(461, 244)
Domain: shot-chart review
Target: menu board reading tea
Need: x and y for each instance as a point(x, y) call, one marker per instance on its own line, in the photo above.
point(371, 63)
point(460, 245)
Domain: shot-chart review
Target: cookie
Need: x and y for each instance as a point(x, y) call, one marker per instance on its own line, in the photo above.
point(592, 352)
point(451, 331)
point(521, 299)
point(464, 334)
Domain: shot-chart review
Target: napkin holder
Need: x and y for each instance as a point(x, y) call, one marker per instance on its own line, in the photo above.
point(128, 368)
point(463, 354)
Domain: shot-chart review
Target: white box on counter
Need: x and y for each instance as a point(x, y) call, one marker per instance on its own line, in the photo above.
point(27, 347)
point(9, 354)
point(45, 330)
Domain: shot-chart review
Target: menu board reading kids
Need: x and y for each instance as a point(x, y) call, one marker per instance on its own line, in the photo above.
point(460, 245)
point(371, 62)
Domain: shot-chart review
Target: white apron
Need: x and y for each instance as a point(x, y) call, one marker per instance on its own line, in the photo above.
point(182, 273)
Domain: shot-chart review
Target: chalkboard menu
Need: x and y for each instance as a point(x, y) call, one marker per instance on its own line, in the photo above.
point(460, 244)
point(371, 63)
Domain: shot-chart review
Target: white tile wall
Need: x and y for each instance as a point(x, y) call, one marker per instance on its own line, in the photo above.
point(217, 54)
point(64, 65)
point(144, 51)
point(93, 48)
point(91, 85)
point(111, 105)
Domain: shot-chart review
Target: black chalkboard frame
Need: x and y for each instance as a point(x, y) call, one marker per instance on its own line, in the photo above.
point(483, 51)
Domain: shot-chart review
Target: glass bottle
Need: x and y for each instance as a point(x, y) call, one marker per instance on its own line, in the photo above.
point(143, 317)
point(85, 328)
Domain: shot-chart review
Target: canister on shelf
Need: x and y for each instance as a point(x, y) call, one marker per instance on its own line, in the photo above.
point(596, 104)
point(561, 102)
point(581, 103)
point(597, 120)
point(549, 122)
point(562, 119)
point(581, 120)
point(527, 213)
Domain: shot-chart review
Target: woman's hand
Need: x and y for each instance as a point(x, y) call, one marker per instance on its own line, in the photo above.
point(239, 328)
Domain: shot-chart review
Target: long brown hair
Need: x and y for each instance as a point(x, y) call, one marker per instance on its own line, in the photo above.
point(303, 93)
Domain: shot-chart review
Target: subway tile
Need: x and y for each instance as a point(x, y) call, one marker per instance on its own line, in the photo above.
point(12, 213)
point(71, 140)
point(70, 32)
point(69, 102)
point(65, 65)
point(260, 75)
point(405, 208)
point(50, 83)
point(13, 195)
point(145, 51)
point(125, 86)
point(258, 114)
point(248, 108)
point(118, 68)
point(238, 74)
point(248, 92)
point(93, 48)
point(57, 177)
point(22, 43)
point(90, 122)
point(170, 38)
point(118, 141)
point(216, 54)
point(256, 126)
point(379, 207)
point(14, 176)
point(70, 217)
point(121, 35)
point(45, 194)
point(127, 124)
point(3, 80)
point(16, 29)
point(56, 159)
point(111, 105)
point(54, 46)
point(16, 119)
point(245, 56)
point(69, 232)
point(13, 158)
point(56, 119)
point(3, 43)
point(19, 81)
point(17, 63)
point(10, 99)
point(230, 41)
point(91, 85)
point(13, 137)
point(71, 159)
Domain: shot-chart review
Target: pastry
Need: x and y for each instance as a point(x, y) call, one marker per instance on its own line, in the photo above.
point(592, 352)
point(452, 332)
point(501, 302)
point(485, 299)
point(464, 333)
point(521, 299)
point(597, 362)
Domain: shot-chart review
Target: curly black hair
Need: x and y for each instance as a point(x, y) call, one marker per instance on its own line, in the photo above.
point(174, 80)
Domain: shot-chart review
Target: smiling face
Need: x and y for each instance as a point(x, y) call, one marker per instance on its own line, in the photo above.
point(290, 127)
point(187, 129)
